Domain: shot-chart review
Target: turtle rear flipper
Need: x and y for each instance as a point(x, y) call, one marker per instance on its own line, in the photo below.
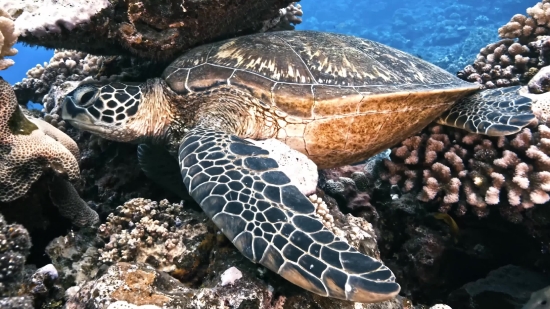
point(253, 203)
point(494, 112)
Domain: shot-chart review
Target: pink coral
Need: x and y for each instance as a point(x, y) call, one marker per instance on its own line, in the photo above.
point(461, 170)
point(523, 50)
point(525, 27)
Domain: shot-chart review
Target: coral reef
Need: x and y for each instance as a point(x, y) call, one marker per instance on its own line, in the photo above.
point(27, 150)
point(505, 287)
point(111, 174)
point(146, 231)
point(348, 185)
point(31, 149)
point(500, 64)
point(352, 186)
point(151, 29)
point(8, 37)
point(65, 65)
point(42, 279)
point(537, 90)
point(127, 285)
point(472, 171)
point(76, 257)
point(185, 244)
point(526, 28)
point(65, 197)
point(431, 257)
point(356, 231)
point(287, 19)
point(19, 302)
point(42, 287)
point(522, 52)
point(141, 285)
point(50, 18)
point(15, 244)
point(47, 83)
point(231, 275)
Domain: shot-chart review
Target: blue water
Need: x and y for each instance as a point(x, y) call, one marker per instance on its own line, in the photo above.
point(448, 33)
point(26, 58)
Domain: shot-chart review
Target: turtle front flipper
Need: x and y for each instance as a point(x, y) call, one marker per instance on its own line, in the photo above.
point(253, 203)
point(494, 112)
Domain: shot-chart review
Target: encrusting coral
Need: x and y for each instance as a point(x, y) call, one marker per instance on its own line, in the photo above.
point(30, 148)
point(470, 171)
point(142, 230)
point(15, 244)
point(8, 37)
point(144, 237)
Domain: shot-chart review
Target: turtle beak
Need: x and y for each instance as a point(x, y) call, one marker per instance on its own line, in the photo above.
point(80, 118)
point(74, 114)
point(77, 116)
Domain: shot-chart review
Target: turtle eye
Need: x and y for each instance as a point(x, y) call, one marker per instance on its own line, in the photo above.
point(86, 96)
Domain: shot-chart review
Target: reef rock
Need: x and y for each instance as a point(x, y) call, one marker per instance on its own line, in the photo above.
point(163, 254)
point(126, 285)
point(507, 287)
point(151, 29)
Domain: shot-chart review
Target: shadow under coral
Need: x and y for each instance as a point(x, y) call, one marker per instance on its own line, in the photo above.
point(431, 259)
point(37, 213)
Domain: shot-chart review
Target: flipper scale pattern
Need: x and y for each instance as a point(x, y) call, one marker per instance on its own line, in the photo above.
point(271, 222)
point(493, 112)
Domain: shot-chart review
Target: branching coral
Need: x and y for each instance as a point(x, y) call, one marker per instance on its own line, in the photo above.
point(67, 68)
point(287, 19)
point(65, 65)
point(523, 50)
point(28, 149)
point(8, 37)
point(525, 28)
point(498, 64)
point(452, 167)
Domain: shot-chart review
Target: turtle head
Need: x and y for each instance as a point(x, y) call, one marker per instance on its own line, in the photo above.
point(124, 112)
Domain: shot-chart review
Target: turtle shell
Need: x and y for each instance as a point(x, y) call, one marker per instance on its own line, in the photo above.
point(337, 98)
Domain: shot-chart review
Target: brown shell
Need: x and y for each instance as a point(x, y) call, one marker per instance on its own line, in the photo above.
point(338, 98)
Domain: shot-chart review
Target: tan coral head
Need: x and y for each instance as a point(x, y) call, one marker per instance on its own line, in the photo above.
point(28, 148)
point(117, 111)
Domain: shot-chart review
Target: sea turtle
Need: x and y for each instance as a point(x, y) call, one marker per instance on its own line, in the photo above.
point(336, 98)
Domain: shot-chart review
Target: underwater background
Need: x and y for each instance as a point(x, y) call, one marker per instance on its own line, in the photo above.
point(461, 219)
point(447, 33)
